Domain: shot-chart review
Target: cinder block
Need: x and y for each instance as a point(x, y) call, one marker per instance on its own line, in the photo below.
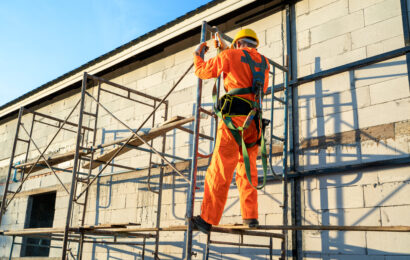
point(344, 58)
point(312, 241)
point(377, 32)
point(351, 179)
point(389, 90)
point(324, 50)
point(397, 242)
point(384, 113)
point(150, 80)
point(358, 5)
point(273, 34)
point(382, 11)
point(387, 194)
point(303, 40)
point(321, 15)
point(353, 217)
point(336, 27)
point(302, 8)
point(380, 72)
point(335, 198)
point(395, 216)
point(394, 174)
point(311, 218)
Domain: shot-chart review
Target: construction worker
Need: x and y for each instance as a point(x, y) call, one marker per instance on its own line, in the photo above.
point(239, 64)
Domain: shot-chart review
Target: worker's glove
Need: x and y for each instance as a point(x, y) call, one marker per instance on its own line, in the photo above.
point(201, 48)
point(219, 42)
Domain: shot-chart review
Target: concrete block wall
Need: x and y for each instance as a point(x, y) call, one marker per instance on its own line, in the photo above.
point(366, 198)
point(341, 32)
point(329, 33)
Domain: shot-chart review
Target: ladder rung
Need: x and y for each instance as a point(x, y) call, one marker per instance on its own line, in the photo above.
point(90, 114)
point(9, 191)
point(82, 180)
point(84, 148)
point(278, 138)
point(85, 158)
point(22, 140)
point(279, 99)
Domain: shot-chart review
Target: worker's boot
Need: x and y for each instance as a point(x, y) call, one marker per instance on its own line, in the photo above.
point(201, 224)
point(252, 222)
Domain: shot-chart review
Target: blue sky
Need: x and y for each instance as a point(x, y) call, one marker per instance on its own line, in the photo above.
point(43, 39)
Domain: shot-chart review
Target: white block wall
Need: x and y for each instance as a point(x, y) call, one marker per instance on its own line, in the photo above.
point(329, 33)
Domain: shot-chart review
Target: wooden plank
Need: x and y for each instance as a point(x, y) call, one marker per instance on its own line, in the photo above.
point(153, 133)
point(52, 160)
point(173, 119)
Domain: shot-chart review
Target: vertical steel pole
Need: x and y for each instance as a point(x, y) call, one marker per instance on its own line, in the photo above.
point(208, 243)
point(29, 142)
point(161, 181)
point(285, 136)
point(194, 161)
point(81, 240)
point(12, 248)
point(13, 151)
point(75, 167)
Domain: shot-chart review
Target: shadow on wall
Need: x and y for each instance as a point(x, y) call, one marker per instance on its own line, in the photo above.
point(342, 142)
point(333, 153)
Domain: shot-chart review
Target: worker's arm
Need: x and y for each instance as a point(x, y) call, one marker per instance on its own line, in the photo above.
point(212, 68)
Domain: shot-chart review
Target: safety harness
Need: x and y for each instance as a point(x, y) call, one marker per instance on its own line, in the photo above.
point(231, 105)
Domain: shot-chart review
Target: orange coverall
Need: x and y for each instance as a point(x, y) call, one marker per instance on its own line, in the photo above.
point(227, 153)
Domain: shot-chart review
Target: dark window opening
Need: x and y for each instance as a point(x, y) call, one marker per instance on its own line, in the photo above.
point(40, 214)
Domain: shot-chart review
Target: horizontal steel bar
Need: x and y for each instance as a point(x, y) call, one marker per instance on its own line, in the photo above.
point(36, 245)
point(55, 119)
point(22, 140)
point(347, 67)
point(149, 151)
point(192, 132)
point(56, 126)
point(354, 65)
point(59, 169)
point(122, 87)
point(89, 114)
point(351, 167)
point(237, 244)
point(279, 99)
point(116, 94)
point(341, 228)
point(278, 138)
point(207, 111)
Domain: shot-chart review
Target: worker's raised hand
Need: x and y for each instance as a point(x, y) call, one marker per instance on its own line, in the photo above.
point(201, 48)
point(219, 42)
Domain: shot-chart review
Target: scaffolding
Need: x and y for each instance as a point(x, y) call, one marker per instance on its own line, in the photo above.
point(86, 157)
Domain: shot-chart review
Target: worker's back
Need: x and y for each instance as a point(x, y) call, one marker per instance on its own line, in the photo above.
point(236, 71)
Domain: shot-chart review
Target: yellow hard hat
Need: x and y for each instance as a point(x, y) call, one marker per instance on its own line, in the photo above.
point(246, 33)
